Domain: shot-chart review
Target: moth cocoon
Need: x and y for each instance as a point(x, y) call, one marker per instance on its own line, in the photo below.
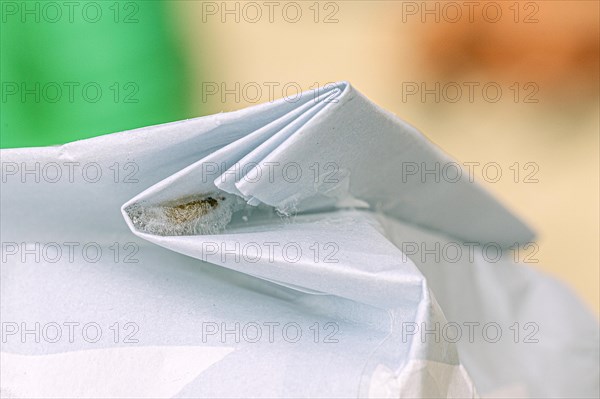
point(192, 215)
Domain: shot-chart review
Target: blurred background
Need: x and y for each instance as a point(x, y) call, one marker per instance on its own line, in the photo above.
point(507, 83)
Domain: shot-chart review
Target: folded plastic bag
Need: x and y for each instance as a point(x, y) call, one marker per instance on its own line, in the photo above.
point(292, 249)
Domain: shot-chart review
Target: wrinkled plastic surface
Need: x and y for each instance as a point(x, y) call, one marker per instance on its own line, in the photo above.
point(211, 200)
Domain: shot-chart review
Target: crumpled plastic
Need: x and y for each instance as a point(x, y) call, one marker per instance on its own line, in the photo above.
point(280, 251)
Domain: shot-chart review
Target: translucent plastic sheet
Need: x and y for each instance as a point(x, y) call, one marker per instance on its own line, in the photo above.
point(276, 251)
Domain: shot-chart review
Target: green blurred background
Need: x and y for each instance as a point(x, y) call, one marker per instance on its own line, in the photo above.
point(154, 62)
point(76, 70)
